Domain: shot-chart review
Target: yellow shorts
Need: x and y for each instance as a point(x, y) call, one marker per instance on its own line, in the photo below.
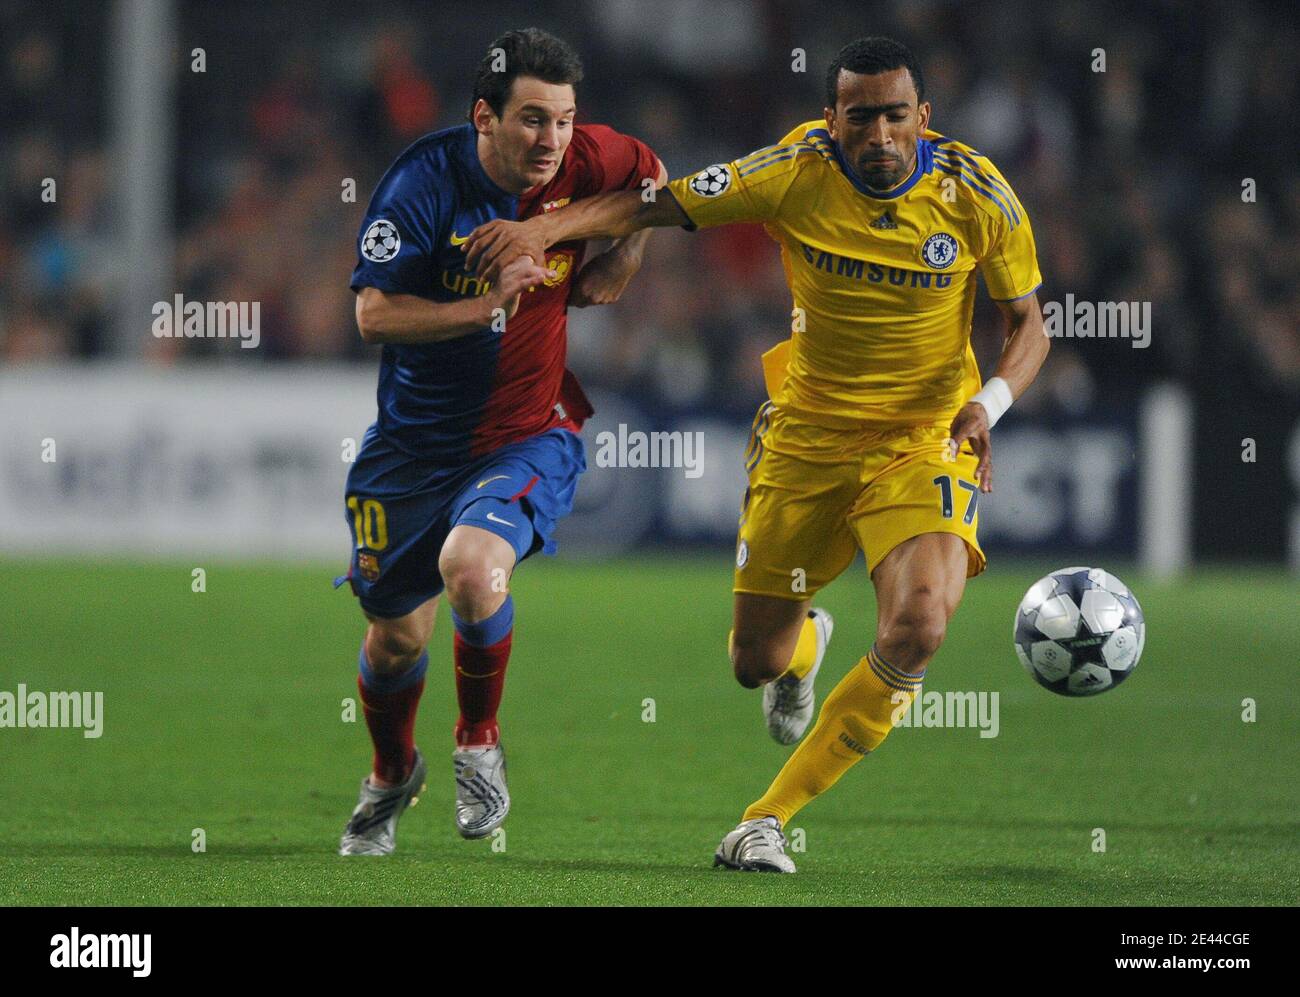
point(817, 495)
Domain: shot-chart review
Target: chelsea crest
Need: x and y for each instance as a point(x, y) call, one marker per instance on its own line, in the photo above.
point(939, 251)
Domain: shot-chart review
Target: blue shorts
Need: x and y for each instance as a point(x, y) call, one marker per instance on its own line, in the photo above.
point(400, 510)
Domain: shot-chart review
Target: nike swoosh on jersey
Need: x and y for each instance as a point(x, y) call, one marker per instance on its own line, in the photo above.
point(497, 519)
point(458, 240)
point(488, 481)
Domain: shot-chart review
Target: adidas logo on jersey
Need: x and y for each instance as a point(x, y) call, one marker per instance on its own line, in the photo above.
point(884, 221)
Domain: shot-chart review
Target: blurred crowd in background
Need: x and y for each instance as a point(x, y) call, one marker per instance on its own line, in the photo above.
point(1133, 177)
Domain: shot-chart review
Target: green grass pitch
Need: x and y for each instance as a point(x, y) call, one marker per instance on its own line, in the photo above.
point(223, 712)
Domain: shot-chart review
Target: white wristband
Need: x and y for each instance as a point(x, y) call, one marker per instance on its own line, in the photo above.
point(995, 397)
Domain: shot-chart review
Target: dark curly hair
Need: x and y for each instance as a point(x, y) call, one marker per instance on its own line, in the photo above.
point(871, 56)
point(528, 52)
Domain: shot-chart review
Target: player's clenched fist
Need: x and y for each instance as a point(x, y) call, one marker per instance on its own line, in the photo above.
point(972, 424)
point(521, 275)
point(603, 279)
point(493, 243)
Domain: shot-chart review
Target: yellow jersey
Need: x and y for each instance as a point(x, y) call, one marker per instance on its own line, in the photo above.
point(883, 283)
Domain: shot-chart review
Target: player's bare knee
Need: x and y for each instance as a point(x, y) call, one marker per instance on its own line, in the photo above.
point(756, 664)
point(910, 640)
point(750, 670)
point(392, 648)
point(928, 637)
point(472, 587)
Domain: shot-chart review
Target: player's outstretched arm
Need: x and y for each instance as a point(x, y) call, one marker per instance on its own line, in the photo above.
point(612, 215)
point(407, 318)
point(1026, 344)
point(604, 277)
point(1023, 354)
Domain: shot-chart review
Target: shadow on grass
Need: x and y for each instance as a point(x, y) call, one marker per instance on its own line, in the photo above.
point(255, 851)
point(683, 868)
point(100, 850)
point(1206, 826)
point(347, 867)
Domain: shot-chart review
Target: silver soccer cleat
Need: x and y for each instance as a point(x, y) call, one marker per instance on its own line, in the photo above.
point(482, 800)
point(788, 702)
point(754, 846)
point(372, 829)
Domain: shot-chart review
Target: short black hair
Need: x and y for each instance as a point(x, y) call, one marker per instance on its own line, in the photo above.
point(870, 56)
point(527, 52)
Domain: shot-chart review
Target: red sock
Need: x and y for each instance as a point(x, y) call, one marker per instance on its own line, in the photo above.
point(480, 679)
point(391, 719)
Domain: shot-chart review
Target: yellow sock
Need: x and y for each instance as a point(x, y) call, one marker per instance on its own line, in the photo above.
point(854, 719)
point(805, 651)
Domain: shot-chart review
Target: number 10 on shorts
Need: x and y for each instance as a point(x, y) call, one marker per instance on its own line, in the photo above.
point(371, 523)
point(944, 481)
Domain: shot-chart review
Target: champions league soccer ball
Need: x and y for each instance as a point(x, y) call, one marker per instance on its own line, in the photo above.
point(711, 181)
point(381, 241)
point(1079, 631)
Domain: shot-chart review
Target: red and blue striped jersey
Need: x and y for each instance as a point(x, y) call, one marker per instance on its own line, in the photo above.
point(455, 400)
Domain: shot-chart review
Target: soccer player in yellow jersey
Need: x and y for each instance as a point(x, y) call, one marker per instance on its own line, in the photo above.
point(876, 434)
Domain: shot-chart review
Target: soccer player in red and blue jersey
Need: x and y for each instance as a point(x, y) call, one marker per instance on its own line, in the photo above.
point(475, 455)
